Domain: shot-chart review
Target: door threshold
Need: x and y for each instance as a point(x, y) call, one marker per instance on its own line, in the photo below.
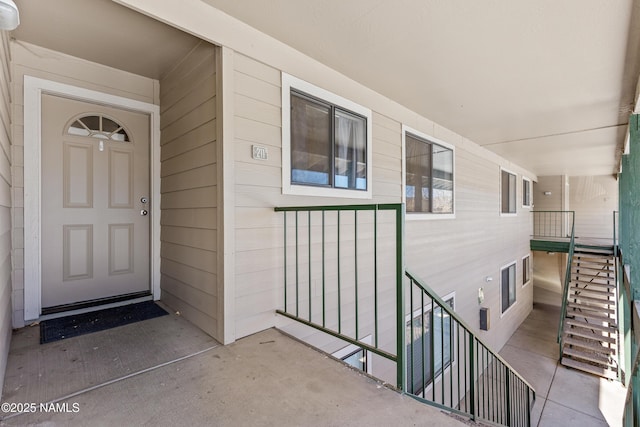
point(94, 305)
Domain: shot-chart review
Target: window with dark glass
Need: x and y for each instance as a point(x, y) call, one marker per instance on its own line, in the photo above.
point(418, 342)
point(526, 192)
point(328, 144)
point(508, 189)
point(508, 286)
point(428, 176)
point(526, 270)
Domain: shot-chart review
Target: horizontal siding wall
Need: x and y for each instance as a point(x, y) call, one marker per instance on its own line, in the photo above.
point(5, 204)
point(452, 255)
point(189, 189)
point(594, 199)
point(28, 59)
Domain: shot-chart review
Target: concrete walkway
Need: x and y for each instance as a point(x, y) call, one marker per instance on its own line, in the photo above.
point(166, 372)
point(564, 397)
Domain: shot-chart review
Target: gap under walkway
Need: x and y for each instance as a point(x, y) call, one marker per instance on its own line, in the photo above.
point(564, 397)
point(166, 372)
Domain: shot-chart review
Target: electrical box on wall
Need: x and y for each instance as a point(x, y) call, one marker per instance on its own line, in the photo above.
point(485, 318)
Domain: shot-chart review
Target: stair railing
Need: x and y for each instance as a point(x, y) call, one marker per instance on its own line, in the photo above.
point(567, 279)
point(450, 367)
point(344, 275)
point(629, 317)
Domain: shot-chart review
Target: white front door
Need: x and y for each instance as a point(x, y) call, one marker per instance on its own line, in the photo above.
point(94, 202)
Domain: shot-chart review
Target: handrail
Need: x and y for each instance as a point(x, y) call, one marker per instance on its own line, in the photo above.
point(320, 292)
point(567, 281)
point(481, 384)
point(420, 283)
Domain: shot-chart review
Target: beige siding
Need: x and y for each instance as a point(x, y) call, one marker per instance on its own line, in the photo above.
point(189, 236)
point(594, 199)
point(5, 203)
point(450, 254)
point(43, 63)
point(555, 201)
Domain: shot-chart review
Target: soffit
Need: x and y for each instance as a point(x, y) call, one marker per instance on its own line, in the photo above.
point(547, 84)
point(103, 32)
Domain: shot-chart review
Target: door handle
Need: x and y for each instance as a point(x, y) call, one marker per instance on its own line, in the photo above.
point(144, 212)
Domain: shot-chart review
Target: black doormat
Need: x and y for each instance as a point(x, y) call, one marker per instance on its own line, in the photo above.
point(86, 323)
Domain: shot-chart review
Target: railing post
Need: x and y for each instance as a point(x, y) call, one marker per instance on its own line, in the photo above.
point(400, 327)
point(472, 380)
point(507, 387)
point(528, 407)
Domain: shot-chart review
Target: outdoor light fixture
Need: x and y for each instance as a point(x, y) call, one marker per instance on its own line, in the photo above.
point(9, 16)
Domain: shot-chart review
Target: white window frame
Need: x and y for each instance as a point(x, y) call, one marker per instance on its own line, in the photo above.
point(288, 83)
point(351, 348)
point(528, 181)
point(530, 270)
point(452, 363)
point(516, 195)
point(412, 216)
point(515, 285)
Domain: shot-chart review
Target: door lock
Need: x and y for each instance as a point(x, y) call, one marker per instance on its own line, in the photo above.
point(144, 200)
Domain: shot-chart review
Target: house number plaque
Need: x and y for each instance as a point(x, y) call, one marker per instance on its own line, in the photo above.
point(259, 152)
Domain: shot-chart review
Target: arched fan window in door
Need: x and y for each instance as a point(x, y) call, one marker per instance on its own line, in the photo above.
point(98, 126)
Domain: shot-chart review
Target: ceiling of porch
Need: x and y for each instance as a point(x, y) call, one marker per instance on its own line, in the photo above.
point(549, 85)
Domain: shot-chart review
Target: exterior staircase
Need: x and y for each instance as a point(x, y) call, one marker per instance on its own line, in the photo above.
point(590, 333)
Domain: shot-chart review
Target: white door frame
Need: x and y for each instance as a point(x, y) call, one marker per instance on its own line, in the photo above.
point(33, 89)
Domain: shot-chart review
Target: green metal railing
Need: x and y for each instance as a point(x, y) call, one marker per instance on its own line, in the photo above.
point(344, 275)
point(629, 348)
point(553, 224)
point(449, 367)
point(567, 279)
point(616, 216)
point(332, 249)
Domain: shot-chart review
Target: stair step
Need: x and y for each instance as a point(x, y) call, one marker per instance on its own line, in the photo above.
point(589, 274)
point(590, 345)
point(591, 357)
point(604, 269)
point(589, 315)
point(586, 367)
point(591, 299)
point(595, 258)
point(583, 282)
point(589, 335)
point(593, 249)
point(591, 308)
point(594, 291)
point(593, 326)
